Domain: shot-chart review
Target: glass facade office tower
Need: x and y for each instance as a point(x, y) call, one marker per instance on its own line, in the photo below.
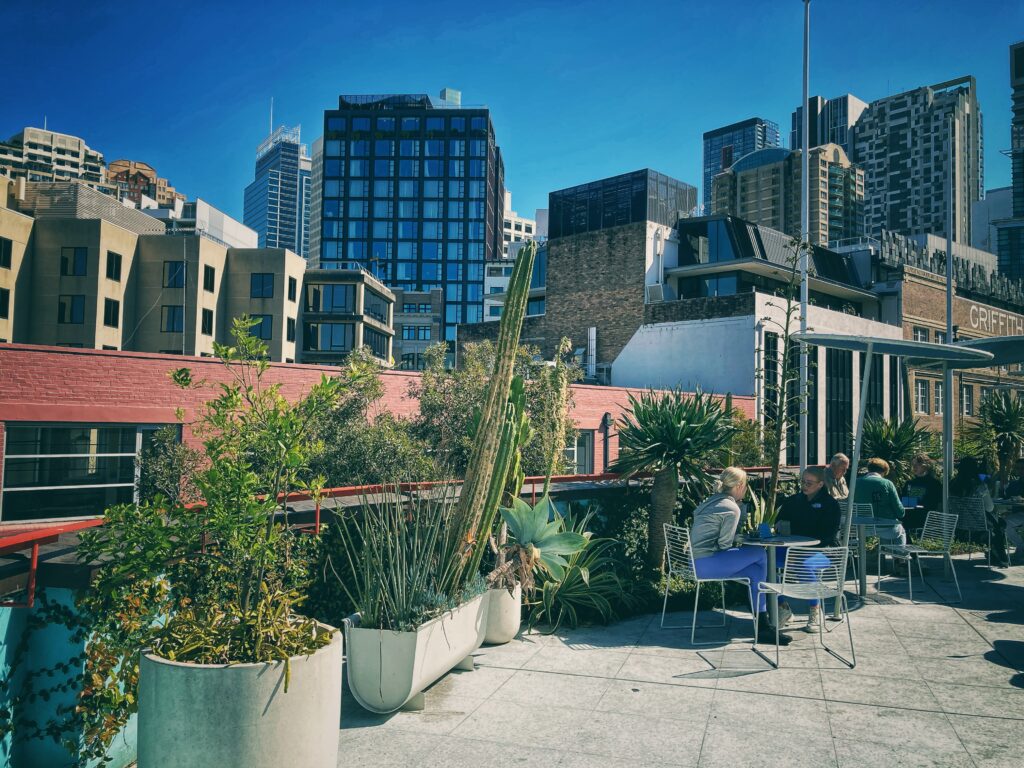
point(902, 143)
point(643, 195)
point(1010, 232)
point(413, 190)
point(277, 202)
point(724, 146)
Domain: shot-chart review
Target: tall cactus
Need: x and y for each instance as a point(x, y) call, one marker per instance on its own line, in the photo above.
point(489, 460)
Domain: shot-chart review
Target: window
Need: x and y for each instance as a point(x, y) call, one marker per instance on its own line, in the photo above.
point(921, 396)
point(328, 337)
point(581, 455)
point(207, 322)
point(293, 288)
point(172, 319)
point(377, 342)
point(261, 285)
point(71, 310)
point(940, 398)
point(920, 334)
point(535, 307)
point(375, 305)
point(53, 471)
point(986, 394)
point(174, 274)
point(72, 261)
point(113, 266)
point(264, 328)
point(111, 313)
point(6, 249)
point(940, 337)
point(291, 329)
point(5, 303)
point(209, 278)
point(967, 399)
point(330, 298)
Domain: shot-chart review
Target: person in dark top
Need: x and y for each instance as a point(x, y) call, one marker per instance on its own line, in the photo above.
point(1015, 487)
point(815, 513)
point(924, 486)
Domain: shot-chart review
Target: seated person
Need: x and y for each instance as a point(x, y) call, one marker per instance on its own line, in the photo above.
point(811, 512)
point(881, 494)
point(713, 535)
point(924, 486)
point(967, 484)
point(1015, 488)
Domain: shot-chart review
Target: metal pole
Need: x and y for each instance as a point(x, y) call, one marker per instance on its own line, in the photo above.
point(856, 448)
point(805, 236)
point(947, 372)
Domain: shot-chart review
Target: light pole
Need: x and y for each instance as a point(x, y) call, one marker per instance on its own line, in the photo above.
point(947, 374)
point(805, 235)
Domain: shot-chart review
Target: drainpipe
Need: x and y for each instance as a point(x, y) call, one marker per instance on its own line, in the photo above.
point(606, 429)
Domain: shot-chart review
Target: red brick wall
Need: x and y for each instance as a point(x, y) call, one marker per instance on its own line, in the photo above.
point(57, 384)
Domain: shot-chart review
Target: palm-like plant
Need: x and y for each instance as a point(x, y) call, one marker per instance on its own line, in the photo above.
point(896, 442)
point(668, 434)
point(539, 541)
point(1001, 425)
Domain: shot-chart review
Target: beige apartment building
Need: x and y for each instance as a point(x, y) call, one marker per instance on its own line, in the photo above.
point(79, 269)
point(764, 188)
point(36, 154)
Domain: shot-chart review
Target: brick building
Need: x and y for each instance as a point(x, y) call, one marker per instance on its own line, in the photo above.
point(73, 420)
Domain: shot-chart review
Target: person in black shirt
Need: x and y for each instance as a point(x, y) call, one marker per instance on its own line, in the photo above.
point(815, 513)
point(926, 488)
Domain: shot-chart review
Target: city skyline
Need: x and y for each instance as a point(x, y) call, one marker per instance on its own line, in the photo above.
point(563, 114)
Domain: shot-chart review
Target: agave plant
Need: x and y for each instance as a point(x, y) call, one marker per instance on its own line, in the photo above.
point(669, 434)
point(759, 511)
point(896, 442)
point(1001, 426)
point(538, 541)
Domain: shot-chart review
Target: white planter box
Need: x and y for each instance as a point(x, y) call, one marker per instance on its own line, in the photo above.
point(504, 615)
point(201, 715)
point(386, 669)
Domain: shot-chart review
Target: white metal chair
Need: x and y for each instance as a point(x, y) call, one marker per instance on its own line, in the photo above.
point(679, 552)
point(972, 519)
point(859, 510)
point(939, 528)
point(814, 574)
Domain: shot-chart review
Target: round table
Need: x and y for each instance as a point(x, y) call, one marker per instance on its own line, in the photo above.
point(863, 522)
point(771, 543)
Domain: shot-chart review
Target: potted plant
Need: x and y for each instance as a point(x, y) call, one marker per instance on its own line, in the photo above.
point(229, 673)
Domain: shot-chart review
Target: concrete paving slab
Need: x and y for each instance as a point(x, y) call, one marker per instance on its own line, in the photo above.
point(991, 742)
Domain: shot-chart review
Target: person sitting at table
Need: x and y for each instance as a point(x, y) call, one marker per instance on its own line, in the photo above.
point(1015, 520)
point(1015, 488)
point(811, 512)
point(968, 484)
point(880, 493)
point(713, 535)
point(835, 477)
point(925, 487)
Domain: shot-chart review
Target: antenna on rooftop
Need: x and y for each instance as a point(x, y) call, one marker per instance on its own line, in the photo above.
point(44, 122)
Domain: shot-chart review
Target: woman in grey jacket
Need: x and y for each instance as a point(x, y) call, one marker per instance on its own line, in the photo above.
point(713, 534)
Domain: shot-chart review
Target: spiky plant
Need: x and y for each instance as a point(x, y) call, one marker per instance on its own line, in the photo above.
point(669, 434)
point(1001, 425)
point(896, 442)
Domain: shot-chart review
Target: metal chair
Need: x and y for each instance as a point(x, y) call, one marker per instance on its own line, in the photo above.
point(859, 510)
point(972, 519)
point(679, 552)
point(939, 527)
point(814, 574)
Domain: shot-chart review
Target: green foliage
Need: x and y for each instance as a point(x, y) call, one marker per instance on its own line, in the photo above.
point(1000, 428)
point(218, 583)
point(759, 511)
point(588, 587)
point(538, 541)
point(396, 561)
point(167, 466)
point(896, 442)
point(671, 434)
point(747, 445)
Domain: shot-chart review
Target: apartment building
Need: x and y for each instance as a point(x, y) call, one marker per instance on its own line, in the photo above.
point(342, 310)
point(135, 179)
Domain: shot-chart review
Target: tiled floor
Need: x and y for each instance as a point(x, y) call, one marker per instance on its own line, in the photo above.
point(934, 685)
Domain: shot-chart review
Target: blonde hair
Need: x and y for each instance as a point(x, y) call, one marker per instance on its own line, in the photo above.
point(730, 478)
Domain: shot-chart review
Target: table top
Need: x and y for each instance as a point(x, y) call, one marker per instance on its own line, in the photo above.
point(783, 541)
point(866, 520)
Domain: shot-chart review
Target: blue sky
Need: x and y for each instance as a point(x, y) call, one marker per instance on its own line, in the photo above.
point(578, 91)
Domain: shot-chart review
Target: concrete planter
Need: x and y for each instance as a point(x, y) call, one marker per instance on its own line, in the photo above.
point(200, 715)
point(504, 615)
point(388, 670)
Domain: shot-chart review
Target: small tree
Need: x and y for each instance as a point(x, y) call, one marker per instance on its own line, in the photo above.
point(1000, 428)
point(668, 434)
point(167, 468)
point(895, 441)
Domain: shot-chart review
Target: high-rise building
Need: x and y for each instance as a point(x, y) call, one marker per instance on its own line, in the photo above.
point(643, 195)
point(135, 179)
point(1010, 232)
point(831, 122)
point(902, 142)
point(516, 228)
point(36, 154)
point(996, 205)
point(413, 189)
point(724, 146)
point(277, 201)
point(764, 187)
